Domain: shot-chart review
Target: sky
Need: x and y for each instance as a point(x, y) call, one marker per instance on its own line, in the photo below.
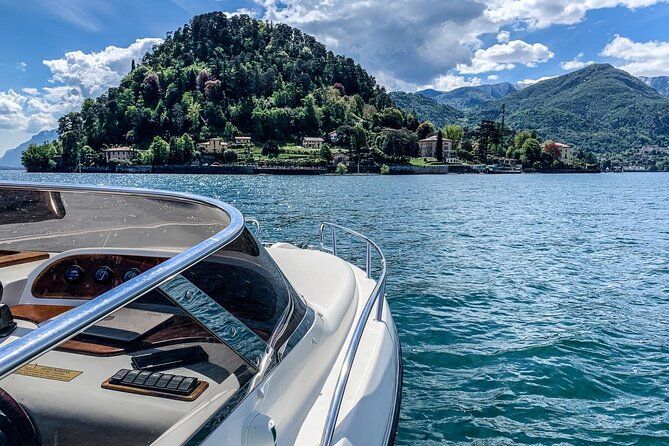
point(55, 53)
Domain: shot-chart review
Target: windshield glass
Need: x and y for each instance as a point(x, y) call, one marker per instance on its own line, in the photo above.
point(60, 220)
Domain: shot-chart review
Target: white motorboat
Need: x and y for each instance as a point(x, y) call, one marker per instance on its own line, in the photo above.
point(144, 317)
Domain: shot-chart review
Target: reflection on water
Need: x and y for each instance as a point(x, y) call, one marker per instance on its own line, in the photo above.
point(533, 309)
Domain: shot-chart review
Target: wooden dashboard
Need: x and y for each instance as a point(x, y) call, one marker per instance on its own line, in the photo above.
point(86, 276)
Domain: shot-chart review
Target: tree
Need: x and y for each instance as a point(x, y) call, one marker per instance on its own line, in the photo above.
point(39, 158)
point(552, 149)
point(270, 149)
point(440, 147)
point(71, 138)
point(425, 129)
point(341, 169)
point(326, 153)
point(530, 152)
point(229, 156)
point(520, 139)
point(455, 133)
point(399, 143)
point(160, 150)
point(488, 137)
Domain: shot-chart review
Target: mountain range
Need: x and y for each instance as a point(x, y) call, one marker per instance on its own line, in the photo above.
point(465, 98)
point(597, 108)
point(659, 84)
point(12, 157)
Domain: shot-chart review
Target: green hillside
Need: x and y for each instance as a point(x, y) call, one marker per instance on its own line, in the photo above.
point(597, 108)
point(426, 109)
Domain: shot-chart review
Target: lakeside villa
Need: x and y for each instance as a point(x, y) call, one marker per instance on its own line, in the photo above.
point(566, 152)
point(312, 142)
point(243, 140)
point(427, 148)
point(213, 146)
point(120, 153)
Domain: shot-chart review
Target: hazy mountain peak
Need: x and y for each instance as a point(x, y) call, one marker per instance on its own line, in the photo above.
point(12, 157)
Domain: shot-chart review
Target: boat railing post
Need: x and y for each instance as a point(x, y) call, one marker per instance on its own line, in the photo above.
point(321, 237)
point(381, 298)
point(334, 241)
point(368, 263)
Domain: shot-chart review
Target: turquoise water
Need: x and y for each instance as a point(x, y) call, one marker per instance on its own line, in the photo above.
point(533, 309)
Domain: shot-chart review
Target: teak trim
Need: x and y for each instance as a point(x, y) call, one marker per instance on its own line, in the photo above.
point(199, 390)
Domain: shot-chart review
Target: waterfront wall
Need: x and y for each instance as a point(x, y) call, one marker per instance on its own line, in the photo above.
point(418, 170)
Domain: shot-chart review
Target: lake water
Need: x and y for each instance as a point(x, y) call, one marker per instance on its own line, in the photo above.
point(533, 309)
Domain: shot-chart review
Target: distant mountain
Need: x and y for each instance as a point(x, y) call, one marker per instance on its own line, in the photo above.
point(430, 93)
point(12, 157)
point(596, 108)
point(426, 109)
point(659, 84)
point(465, 98)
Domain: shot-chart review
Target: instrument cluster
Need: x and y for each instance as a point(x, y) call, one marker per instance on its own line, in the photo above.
point(86, 276)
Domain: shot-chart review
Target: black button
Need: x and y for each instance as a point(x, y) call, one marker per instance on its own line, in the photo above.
point(119, 375)
point(153, 379)
point(174, 383)
point(130, 274)
point(103, 274)
point(162, 382)
point(186, 384)
point(141, 378)
point(73, 274)
point(130, 376)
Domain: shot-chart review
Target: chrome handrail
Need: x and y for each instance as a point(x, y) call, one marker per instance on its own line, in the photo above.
point(378, 294)
point(252, 221)
point(47, 336)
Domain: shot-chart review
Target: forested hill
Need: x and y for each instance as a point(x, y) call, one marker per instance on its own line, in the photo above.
point(222, 76)
point(596, 108)
point(426, 109)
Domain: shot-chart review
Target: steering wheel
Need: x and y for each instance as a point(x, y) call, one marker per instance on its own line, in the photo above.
point(17, 428)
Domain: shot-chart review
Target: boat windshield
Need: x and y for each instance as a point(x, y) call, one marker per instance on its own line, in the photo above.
point(149, 306)
point(51, 220)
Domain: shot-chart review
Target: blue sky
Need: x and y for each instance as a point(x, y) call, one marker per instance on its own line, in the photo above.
point(54, 53)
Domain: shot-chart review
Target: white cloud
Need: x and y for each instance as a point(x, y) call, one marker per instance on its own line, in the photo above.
point(416, 41)
point(503, 36)
point(493, 77)
point(639, 58)
point(542, 14)
point(527, 82)
point(21, 66)
point(95, 72)
point(576, 63)
point(505, 56)
point(448, 82)
point(11, 110)
point(76, 76)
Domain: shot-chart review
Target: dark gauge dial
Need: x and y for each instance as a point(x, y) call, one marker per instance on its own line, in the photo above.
point(103, 274)
point(130, 274)
point(73, 274)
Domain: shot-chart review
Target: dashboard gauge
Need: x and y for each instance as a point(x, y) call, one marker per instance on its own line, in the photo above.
point(130, 274)
point(103, 274)
point(73, 274)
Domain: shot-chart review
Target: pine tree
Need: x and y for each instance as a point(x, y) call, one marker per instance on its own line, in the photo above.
point(439, 154)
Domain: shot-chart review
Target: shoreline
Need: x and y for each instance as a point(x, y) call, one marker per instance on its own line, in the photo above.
point(312, 171)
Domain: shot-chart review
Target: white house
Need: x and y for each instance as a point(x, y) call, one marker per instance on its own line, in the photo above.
point(214, 145)
point(427, 148)
point(566, 152)
point(120, 153)
point(311, 142)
